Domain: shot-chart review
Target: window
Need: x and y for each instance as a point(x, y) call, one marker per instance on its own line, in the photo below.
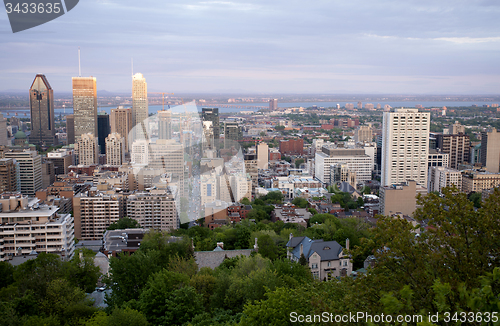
point(329, 264)
point(314, 266)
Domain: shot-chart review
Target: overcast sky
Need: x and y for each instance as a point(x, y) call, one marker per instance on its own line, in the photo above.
point(346, 46)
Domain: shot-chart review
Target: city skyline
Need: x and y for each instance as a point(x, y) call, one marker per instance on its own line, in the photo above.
point(213, 46)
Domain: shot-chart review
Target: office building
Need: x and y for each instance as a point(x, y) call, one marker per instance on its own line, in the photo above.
point(115, 149)
point(405, 147)
point(121, 123)
point(356, 159)
point(456, 145)
point(86, 149)
point(26, 226)
point(4, 132)
point(165, 124)
point(154, 210)
point(442, 176)
point(436, 158)
point(273, 104)
point(84, 106)
point(490, 150)
point(43, 132)
point(477, 181)
point(232, 133)
point(94, 212)
point(70, 129)
point(212, 114)
point(30, 170)
point(363, 134)
point(292, 147)
point(400, 198)
point(262, 156)
point(140, 109)
point(62, 158)
point(340, 172)
point(104, 130)
point(360, 105)
point(10, 181)
point(48, 172)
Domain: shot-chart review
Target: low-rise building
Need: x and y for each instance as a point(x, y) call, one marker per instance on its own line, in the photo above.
point(477, 180)
point(400, 198)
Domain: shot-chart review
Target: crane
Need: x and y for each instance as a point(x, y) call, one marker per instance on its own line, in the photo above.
point(162, 98)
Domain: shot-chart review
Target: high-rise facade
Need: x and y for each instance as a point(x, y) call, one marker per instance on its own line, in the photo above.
point(139, 103)
point(457, 146)
point(212, 114)
point(273, 104)
point(232, 133)
point(4, 139)
point(165, 124)
point(405, 146)
point(9, 176)
point(121, 123)
point(87, 149)
point(104, 130)
point(43, 132)
point(84, 106)
point(70, 129)
point(94, 212)
point(156, 210)
point(262, 156)
point(363, 134)
point(30, 170)
point(115, 149)
point(490, 150)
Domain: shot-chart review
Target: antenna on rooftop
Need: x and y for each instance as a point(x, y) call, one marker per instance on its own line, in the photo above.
point(79, 65)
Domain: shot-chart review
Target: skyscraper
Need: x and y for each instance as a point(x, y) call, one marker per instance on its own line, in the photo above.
point(121, 123)
point(405, 146)
point(212, 114)
point(84, 105)
point(115, 149)
point(42, 112)
point(490, 150)
point(103, 130)
point(165, 124)
point(232, 133)
point(139, 102)
point(30, 170)
point(86, 146)
point(70, 129)
point(273, 104)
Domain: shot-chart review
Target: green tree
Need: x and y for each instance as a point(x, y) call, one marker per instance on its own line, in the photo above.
point(302, 260)
point(475, 197)
point(298, 162)
point(267, 247)
point(82, 272)
point(124, 223)
point(167, 299)
point(300, 202)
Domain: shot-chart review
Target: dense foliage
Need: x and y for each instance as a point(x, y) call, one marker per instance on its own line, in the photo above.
point(448, 262)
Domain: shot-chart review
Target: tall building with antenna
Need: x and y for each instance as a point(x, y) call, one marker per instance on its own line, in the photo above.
point(42, 112)
point(84, 106)
point(139, 102)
